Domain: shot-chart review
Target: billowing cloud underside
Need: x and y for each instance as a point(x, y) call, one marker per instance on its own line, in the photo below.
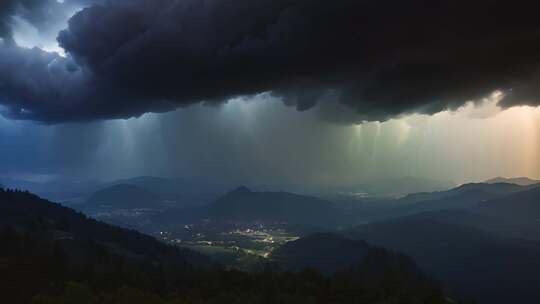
point(378, 58)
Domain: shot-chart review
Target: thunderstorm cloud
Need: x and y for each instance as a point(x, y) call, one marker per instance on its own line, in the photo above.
point(364, 60)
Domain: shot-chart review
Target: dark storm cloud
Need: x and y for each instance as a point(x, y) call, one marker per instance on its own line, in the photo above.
point(378, 58)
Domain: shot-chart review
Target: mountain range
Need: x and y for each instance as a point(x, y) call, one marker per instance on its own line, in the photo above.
point(243, 204)
point(480, 240)
point(184, 192)
point(24, 213)
point(522, 181)
point(52, 254)
point(122, 196)
point(471, 262)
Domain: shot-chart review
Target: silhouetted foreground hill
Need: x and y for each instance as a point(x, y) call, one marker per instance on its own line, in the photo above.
point(473, 263)
point(333, 254)
point(325, 252)
point(51, 254)
point(25, 213)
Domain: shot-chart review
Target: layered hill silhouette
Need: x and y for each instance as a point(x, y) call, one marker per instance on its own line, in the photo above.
point(133, 202)
point(474, 263)
point(27, 214)
point(243, 204)
point(506, 209)
point(328, 253)
point(45, 245)
point(521, 207)
point(183, 192)
point(479, 240)
point(61, 190)
point(467, 196)
point(333, 254)
point(489, 190)
point(123, 196)
point(52, 254)
point(522, 181)
point(397, 187)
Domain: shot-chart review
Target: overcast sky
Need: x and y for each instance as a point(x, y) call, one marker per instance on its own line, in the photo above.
point(272, 92)
point(264, 142)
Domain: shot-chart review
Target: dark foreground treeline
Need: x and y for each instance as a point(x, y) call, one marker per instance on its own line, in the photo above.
point(33, 274)
point(51, 254)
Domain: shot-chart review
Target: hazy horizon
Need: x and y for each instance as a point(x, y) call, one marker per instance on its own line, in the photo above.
point(270, 99)
point(264, 142)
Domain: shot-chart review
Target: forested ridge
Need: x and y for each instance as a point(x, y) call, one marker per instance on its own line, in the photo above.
point(51, 254)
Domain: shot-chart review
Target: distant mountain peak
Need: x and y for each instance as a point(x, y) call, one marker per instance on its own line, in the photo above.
point(242, 204)
point(122, 196)
point(241, 189)
point(522, 181)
